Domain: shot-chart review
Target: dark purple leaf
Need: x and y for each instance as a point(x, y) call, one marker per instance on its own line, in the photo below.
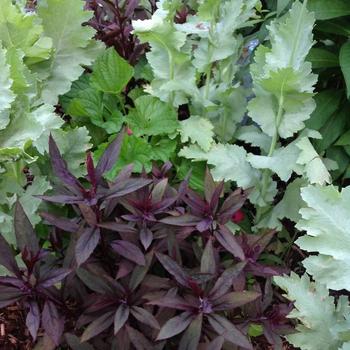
point(75, 344)
point(209, 185)
point(9, 295)
point(224, 282)
point(215, 344)
point(125, 187)
point(120, 317)
point(224, 327)
point(33, 319)
point(231, 204)
point(159, 190)
point(129, 251)
point(191, 337)
point(208, 264)
point(146, 237)
point(130, 7)
point(144, 316)
point(61, 198)
point(7, 258)
point(91, 170)
point(95, 282)
point(182, 220)
point(122, 228)
point(53, 277)
point(86, 244)
point(175, 325)
point(234, 299)
point(25, 235)
point(139, 341)
point(12, 281)
point(172, 302)
point(98, 326)
point(124, 174)
point(60, 168)
point(88, 214)
point(62, 223)
point(214, 201)
point(109, 157)
point(52, 322)
point(174, 269)
point(140, 272)
point(227, 239)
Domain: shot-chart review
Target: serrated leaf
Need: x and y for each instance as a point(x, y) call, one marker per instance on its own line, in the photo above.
point(197, 130)
point(152, 117)
point(326, 221)
point(111, 72)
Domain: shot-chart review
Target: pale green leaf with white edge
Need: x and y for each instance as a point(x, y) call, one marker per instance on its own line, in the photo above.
point(152, 116)
point(344, 58)
point(230, 164)
point(313, 166)
point(261, 198)
point(327, 223)
point(193, 152)
point(287, 207)
point(315, 310)
point(20, 30)
point(254, 136)
point(30, 127)
point(111, 72)
point(284, 86)
point(62, 22)
point(197, 130)
point(6, 94)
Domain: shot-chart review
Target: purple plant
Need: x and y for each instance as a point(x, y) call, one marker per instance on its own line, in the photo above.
point(112, 21)
point(33, 286)
point(142, 264)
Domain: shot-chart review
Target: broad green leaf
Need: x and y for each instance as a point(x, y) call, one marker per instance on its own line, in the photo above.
point(326, 221)
point(344, 140)
point(152, 117)
point(253, 135)
point(344, 58)
point(197, 130)
point(163, 149)
point(111, 72)
point(6, 94)
point(62, 22)
point(316, 312)
point(340, 26)
point(281, 5)
point(327, 102)
point(313, 166)
point(326, 10)
point(322, 58)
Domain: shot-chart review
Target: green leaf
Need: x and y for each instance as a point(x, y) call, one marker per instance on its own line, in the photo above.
point(313, 166)
point(344, 140)
point(325, 10)
point(163, 149)
point(152, 117)
point(6, 94)
point(344, 58)
point(315, 310)
point(322, 58)
point(281, 5)
point(111, 72)
point(197, 130)
point(327, 102)
point(326, 221)
point(62, 22)
point(340, 26)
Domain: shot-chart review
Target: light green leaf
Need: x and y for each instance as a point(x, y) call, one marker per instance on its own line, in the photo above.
point(315, 310)
point(326, 221)
point(322, 58)
point(314, 168)
point(197, 130)
point(62, 22)
point(152, 117)
point(230, 164)
point(281, 5)
point(344, 58)
point(163, 149)
point(6, 94)
point(326, 10)
point(253, 135)
point(111, 72)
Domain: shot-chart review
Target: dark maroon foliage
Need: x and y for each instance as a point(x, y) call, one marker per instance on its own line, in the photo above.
point(141, 264)
point(112, 22)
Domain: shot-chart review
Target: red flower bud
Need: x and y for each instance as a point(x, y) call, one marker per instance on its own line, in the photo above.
point(129, 131)
point(238, 216)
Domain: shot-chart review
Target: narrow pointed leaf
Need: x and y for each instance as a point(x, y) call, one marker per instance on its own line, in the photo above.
point(33, 319)
point(120, 317)
point(139, 341)
point(208, 264)
point(191, 337)
point(7, 258)
point(61, 223)
point(129, 251)
point(98, 326)
point(234, 299)
point(175, 325)
point(52, 322)
point(229, 242)
point(145, 317)
point(86, 244)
